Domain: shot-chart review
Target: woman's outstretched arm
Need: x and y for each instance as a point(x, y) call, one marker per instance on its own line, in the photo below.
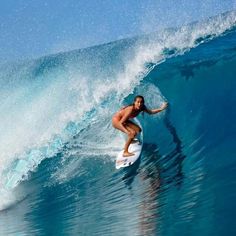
point(154, 111)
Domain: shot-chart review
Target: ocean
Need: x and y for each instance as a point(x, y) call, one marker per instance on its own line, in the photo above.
point(58, 147)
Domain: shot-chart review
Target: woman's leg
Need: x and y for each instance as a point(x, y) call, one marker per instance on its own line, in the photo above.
point(134, 126)
point(116, 124)
point(135, 129)
point(128, 142)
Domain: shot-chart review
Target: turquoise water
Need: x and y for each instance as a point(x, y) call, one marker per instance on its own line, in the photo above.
point(58, 146)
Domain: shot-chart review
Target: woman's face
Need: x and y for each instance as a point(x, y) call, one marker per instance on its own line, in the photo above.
point(138, 103)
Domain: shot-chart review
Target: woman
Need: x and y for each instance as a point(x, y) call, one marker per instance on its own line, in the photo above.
point(121, 120)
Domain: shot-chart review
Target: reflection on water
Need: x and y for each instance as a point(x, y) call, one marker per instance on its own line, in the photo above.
point(149, 205)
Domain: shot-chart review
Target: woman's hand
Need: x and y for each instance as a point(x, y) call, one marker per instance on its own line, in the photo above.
point(154, 111)
point(164, 106)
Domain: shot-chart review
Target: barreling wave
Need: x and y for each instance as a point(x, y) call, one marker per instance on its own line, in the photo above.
point(50, 101)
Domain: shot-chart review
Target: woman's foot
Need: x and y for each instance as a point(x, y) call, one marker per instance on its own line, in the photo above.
point(128, 154)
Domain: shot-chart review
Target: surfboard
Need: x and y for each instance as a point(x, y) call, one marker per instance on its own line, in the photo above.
point(135, 148)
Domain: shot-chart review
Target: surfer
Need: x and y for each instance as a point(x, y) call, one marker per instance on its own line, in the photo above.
point(121, 120)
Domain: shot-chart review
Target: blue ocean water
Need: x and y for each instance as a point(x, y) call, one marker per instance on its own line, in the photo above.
point(57, 172)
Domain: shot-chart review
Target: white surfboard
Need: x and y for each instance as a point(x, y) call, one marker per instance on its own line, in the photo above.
point(135, 148)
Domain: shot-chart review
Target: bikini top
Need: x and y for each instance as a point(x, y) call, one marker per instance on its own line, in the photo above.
point(131, 115)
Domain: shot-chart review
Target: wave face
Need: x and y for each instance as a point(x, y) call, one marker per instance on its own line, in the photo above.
point(57, 174)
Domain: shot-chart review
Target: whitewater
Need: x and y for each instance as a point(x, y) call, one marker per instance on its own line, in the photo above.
point(57, 149)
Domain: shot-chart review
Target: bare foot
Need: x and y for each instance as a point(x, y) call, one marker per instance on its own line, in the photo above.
point(128, 154)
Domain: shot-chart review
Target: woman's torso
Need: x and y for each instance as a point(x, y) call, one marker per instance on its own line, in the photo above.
point(122, 112)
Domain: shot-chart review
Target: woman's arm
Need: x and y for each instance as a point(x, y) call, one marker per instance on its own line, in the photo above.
point(154, 111)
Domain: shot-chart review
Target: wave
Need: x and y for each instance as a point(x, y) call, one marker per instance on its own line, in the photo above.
point(51, 101)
